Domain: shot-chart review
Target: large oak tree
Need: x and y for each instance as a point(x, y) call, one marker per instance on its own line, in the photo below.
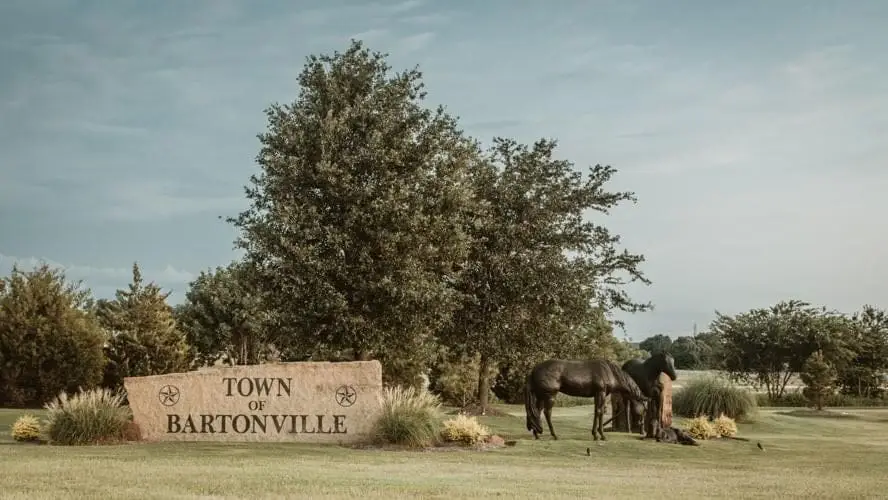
point(357, 221)
point(541, 271)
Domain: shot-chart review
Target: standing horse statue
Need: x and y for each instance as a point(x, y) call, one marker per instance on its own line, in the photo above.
point(646, 374)
point(581, 378)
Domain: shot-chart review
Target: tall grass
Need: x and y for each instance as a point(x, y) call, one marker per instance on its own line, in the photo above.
point(712, 396)
point(88, 417)
point(409, 417)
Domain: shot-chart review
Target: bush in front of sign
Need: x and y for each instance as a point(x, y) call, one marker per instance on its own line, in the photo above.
point(26, 429)
point(465, 430)
point(409, 417)
point(89, 417)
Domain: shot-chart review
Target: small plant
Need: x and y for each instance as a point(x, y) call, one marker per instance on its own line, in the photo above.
point(409, 417)
point(26, 428)
point(89, 417)
point(713, 395)
point(725, 426)
point(700, 428)
point(819, 378)
point(464, 429)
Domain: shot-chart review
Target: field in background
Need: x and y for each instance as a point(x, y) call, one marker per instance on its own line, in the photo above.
point(813, 457)
point(684, 376)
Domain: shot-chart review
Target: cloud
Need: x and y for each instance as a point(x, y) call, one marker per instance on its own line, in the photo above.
point(758, 161)
point(134, 200)
point(416, 42)
point(405, 6)
point(99, 276)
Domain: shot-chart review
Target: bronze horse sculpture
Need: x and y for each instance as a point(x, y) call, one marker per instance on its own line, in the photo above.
point(582, 378)
point(646, 375)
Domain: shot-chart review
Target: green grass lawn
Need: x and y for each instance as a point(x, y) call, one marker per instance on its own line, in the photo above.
point(804, 457)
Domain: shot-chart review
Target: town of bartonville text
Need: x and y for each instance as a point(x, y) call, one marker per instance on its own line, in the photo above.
point(254, 389)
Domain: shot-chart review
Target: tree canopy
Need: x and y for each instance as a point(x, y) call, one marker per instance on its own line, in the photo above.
point(767, 346)
point(50, 340)
point(143, 336)
point(657, 343)
point(357, 223)
point(223, 319)
point(539, 274)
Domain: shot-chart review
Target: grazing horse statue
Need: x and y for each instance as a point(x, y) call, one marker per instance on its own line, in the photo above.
point(582, 378)
point(646, 374)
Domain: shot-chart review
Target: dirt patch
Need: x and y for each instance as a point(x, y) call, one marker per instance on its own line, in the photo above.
point(132, 432)
point(493, 442)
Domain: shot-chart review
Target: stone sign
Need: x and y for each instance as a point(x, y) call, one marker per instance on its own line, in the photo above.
point(314, 402)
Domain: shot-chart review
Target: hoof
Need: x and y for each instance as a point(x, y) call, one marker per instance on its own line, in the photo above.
point(554, 437)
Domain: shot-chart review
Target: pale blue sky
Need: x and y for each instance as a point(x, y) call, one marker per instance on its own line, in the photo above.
point(754, 133)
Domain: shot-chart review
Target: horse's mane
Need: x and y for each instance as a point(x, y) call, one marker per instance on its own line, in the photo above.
point(624, 380)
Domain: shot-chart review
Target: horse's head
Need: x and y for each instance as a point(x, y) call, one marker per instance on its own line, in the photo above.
point(667, 365)
point(639, 406)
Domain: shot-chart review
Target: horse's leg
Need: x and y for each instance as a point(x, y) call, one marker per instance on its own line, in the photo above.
point(548, 412)
point(627, 412)
point(540, 407)
point(598, 419)
point(598, 403)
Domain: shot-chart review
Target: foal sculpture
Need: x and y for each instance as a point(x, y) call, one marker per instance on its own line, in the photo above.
point(582, 378)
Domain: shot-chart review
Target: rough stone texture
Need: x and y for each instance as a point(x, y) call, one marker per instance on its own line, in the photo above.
point(495, 440)
point(315, 402)
point(666, 401)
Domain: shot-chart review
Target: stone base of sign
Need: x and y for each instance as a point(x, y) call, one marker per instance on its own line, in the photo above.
point(310, 402)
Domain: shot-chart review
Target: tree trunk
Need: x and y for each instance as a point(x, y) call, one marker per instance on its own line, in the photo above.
point(483, 384)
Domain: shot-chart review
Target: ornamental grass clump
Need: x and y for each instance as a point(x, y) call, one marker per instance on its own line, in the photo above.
point(465, 430)
point(26, 429)
point(89, 417)
point(700, 428)
point(409, 417)
point(725, 426)
point(713, 395)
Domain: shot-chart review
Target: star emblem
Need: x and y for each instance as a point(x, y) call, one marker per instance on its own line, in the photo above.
point(346, 396)
point(168, 395)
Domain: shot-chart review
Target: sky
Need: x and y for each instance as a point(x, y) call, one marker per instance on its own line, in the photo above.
point(753, 133)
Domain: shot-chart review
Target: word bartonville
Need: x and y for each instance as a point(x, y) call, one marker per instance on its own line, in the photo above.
point(253, 424)
point(256, 387)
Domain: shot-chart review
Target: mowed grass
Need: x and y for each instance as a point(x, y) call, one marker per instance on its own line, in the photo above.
point(804, 457)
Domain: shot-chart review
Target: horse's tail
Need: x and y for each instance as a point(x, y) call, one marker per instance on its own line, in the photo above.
point(534, 424)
